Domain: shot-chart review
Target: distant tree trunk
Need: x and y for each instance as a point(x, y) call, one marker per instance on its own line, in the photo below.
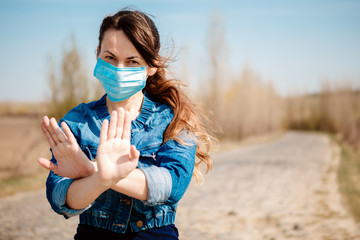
point(70, 86)
point(217, 48)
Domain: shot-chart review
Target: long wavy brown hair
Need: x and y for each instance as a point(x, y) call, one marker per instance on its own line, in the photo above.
point(142, 32)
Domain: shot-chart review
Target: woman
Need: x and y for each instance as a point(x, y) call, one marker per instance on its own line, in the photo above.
point(143, 138)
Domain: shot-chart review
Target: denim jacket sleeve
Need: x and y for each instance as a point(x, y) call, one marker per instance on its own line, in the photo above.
point(57, 186)
point(169, 178)
point(56, 190)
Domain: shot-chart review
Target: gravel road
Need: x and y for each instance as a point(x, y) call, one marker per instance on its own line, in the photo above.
point(285, 189)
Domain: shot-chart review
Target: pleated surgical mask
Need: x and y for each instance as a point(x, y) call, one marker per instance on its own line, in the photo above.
point(120, 83)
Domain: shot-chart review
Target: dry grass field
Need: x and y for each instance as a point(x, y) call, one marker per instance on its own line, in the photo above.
point(21, 143)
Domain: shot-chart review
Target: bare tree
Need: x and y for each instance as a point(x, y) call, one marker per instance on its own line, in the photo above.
point(217, 48)
point(69, 86)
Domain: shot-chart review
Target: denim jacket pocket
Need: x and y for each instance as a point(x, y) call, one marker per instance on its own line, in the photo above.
point(148, 154)
point(150, 150)
point(89, 151)
point(146, 160)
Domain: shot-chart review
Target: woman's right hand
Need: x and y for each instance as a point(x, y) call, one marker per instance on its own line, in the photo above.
point(116, 158)
point(71, 160)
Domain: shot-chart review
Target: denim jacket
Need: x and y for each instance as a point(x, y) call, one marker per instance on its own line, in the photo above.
point(168, 168)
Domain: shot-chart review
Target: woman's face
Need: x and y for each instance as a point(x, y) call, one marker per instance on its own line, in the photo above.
point(118, 50)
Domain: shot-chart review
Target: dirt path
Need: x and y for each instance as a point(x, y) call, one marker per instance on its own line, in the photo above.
point(285, 189)
point(28, 216)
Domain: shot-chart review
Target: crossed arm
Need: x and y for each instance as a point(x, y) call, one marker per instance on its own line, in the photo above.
point(115, 166)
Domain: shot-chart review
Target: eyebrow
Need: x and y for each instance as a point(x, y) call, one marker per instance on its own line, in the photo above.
point(110, 53)
point(132, 57)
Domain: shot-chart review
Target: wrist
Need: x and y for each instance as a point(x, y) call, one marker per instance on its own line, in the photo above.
point(104, 182)
point(101, 183)
point(94, 163)
point(89, 170)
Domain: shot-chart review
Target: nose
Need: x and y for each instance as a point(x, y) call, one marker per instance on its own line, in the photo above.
point(120, 65)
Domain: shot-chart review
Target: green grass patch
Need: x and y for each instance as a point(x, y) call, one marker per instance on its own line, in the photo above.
point(349, 178)
point(21, 184)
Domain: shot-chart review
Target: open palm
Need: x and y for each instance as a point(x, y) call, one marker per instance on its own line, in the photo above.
point(116, 158)
point(71, 160)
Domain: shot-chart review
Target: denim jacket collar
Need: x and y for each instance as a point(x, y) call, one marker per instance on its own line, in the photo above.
point(147, 109)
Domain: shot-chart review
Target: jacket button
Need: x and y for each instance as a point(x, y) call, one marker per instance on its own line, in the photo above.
point(139, 224)
point(127, 201)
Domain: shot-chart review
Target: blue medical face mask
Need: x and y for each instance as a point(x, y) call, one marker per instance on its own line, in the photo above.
point(120, 83)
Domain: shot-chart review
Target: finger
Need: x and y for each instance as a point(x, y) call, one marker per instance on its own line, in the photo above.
point(51, 129)
point(127, 126)
point(134, 153)
point(46, 122)
point(57, 130)
point(112, 127)
point(48, 165)
point(59, 133)
point(68, 132)
point(104, 130)
point(120, 122)
point(47, 135)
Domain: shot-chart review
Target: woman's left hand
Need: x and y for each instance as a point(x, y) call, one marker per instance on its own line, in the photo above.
point(116, 158)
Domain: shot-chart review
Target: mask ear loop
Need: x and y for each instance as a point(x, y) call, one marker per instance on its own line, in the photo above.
point(146, 72)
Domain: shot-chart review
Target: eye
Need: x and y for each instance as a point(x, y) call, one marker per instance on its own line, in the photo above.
point(110, 57)
point(133, 63)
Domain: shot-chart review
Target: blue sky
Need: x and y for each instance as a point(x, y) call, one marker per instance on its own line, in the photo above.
point(293, 43)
